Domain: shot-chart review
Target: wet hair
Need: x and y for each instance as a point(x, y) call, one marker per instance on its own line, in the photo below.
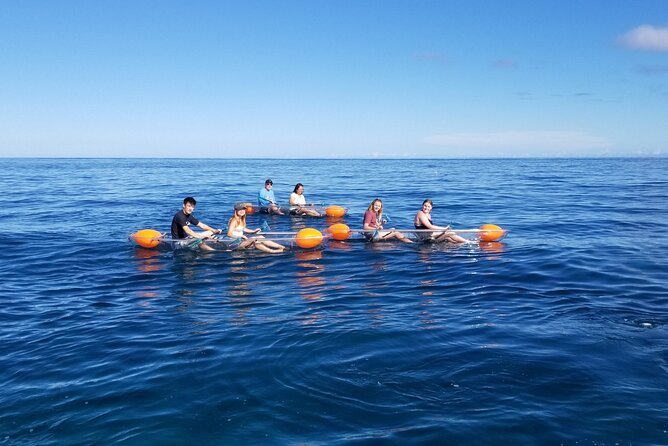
point(297, 186)
point(268, 181)
point(190, 200)
point(428, 201)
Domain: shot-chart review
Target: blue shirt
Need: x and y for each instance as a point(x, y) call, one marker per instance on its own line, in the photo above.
point(265, 197)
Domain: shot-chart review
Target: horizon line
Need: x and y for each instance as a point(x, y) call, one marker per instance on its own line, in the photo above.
point(611, 156)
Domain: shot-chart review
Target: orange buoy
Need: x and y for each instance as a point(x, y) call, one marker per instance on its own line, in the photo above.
point(339, 231)
point(308, 238)
point(146, 238)
point(335, 211)
point(491, 233)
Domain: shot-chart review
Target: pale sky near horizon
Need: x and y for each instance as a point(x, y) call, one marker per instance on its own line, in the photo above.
point(333, 79)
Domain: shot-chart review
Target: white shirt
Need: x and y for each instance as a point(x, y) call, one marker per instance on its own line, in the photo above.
point(296, 199)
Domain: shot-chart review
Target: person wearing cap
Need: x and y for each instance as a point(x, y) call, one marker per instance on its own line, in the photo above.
point(184, 219)
point(237, 230)
point(266, 199)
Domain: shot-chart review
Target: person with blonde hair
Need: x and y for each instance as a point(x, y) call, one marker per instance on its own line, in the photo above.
point(237, 230)
point(373, 225)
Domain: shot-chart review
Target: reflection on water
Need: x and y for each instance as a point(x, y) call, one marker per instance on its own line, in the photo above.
point(239, 290)
point(334, 220)
point(377, 285)
point(309, 274)
point(298, 223)
point(430, 284)
point(239, 284)
point(427, 320)
point(376, 316)
point(308, 256)
point(493, 248)
point(185, 264)
point(147, 260)
point(337, 245)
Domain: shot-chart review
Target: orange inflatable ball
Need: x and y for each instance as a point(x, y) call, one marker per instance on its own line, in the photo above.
point(335, 211)
point(147, 238)
point(339, 231)
point(308, 238)
point(491, 233)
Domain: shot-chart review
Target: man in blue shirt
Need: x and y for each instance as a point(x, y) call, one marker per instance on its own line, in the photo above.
point(266, 199)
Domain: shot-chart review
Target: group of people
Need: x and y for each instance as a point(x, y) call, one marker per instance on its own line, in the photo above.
point(425, 229)
point(236, 230)
point(238, 233)
point(298, 206)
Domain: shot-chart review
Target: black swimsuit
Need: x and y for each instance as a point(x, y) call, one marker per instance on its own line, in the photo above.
point(421, 226)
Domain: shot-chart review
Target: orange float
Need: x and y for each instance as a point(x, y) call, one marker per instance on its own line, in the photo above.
point(146, 238)
point(491, 233)
point(339, 231)
point(308, 238)
point(335, 211)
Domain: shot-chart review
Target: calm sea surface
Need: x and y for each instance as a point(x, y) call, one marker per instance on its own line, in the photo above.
point(557, 335)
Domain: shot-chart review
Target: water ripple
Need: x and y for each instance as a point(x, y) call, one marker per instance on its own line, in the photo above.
point(556, 335)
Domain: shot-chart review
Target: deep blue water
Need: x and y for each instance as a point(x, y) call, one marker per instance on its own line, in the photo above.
point(557, 335)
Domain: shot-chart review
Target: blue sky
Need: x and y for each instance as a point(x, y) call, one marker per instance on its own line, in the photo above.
point(334, 79)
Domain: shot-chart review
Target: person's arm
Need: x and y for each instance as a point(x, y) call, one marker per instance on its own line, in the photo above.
point(368, 226)
point(189, 231)
point(209, 228)
point(194, 234)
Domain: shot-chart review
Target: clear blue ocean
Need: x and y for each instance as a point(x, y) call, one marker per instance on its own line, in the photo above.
point(557, 335)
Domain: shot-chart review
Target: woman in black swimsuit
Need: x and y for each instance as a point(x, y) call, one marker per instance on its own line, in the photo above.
point(440, 234)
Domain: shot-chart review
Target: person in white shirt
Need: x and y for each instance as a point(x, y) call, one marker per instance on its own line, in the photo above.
point(298, 203)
